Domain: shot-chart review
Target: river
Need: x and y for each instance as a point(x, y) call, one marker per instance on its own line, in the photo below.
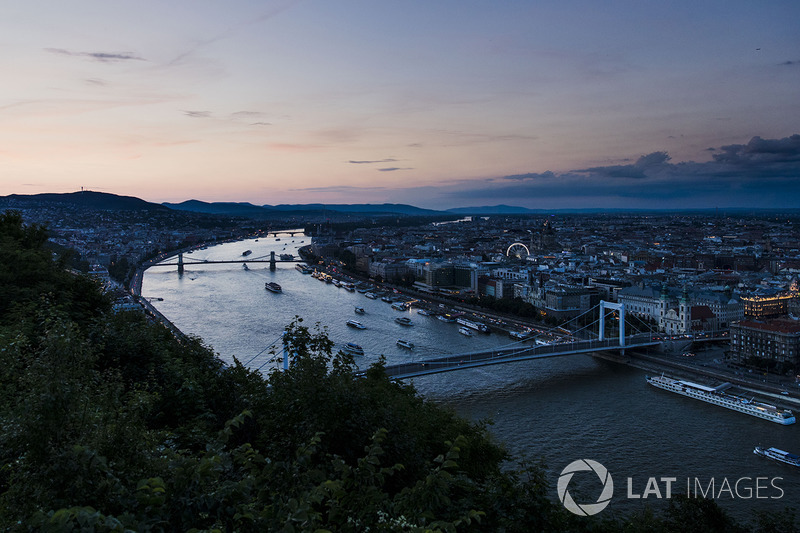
point(553, 410)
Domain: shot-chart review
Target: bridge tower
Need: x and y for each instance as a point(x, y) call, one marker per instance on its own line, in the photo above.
point(180, 263)
point(619, 307)
point(272, 260)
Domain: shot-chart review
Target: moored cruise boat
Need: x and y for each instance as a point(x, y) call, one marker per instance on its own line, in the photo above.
point(370, 295)
point(477, 326)
point(465, 331)
point(352, 349)
point(446, 318)
point(777, 455)
point(399, 306)
point(356, 324)
point(405, 344)
point(403, 321)
point(424, 312)
point(717, 397)
point(349, 286)
point(272, 286)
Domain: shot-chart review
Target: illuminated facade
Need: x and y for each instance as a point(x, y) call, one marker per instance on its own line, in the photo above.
point(767, 306)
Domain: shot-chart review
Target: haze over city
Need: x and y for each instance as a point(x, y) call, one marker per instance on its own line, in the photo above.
point(541, 105)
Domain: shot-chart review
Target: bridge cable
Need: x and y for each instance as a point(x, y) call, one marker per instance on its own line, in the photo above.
point(270, 345)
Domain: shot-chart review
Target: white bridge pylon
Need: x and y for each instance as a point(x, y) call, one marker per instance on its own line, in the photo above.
point(619, 307)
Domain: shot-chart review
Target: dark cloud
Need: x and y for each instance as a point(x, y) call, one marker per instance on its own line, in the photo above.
point(387, 160)
point(392, 169)
point(197, 114)
point(760, 152)
point(96, 81)
point(790, 63)
point(261, 124)
point(530, 176)
point(103, 57)
point(639, 170)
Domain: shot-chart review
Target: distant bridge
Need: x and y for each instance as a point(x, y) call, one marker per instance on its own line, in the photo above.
point(181, 263)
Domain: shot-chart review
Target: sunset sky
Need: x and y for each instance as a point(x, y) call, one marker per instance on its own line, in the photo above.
point(438, 104)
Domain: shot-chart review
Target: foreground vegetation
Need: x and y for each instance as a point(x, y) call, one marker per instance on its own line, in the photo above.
point(109, 423)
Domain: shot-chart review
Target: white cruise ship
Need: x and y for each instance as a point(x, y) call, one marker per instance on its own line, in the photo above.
point(715, 396)
point(477, 326)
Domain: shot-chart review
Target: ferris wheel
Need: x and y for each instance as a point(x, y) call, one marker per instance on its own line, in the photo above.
point(518, 250)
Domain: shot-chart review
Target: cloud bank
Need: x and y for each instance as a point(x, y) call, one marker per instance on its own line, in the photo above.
point(762, 173)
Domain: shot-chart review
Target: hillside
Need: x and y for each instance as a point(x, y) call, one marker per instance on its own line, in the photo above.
point(85, 199)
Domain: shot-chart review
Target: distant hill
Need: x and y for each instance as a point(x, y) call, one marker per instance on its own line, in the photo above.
point(246, 209)
point(243, 209)
point(376, 209)
point(494, 210)
point(86, 199)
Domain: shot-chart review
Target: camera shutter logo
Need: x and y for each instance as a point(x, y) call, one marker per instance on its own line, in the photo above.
point(585, 509)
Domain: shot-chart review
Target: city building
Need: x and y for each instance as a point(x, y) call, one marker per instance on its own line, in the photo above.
point(774, 341)
point(768, 306)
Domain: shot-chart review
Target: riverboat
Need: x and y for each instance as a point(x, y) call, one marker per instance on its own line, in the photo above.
point(477, 326)
point(371, 296)
point(356, 324)
point(352, 349)
point(273, 287)
point(716, 396)
point(405, 344)
point(776, 455)
point(247, 252)
point(465, 331)
point(399, 306)
point(403, 321)
point(359, 310)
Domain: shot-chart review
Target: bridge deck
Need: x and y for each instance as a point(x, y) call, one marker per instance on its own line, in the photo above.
point(187, 262)
point(508, 355)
